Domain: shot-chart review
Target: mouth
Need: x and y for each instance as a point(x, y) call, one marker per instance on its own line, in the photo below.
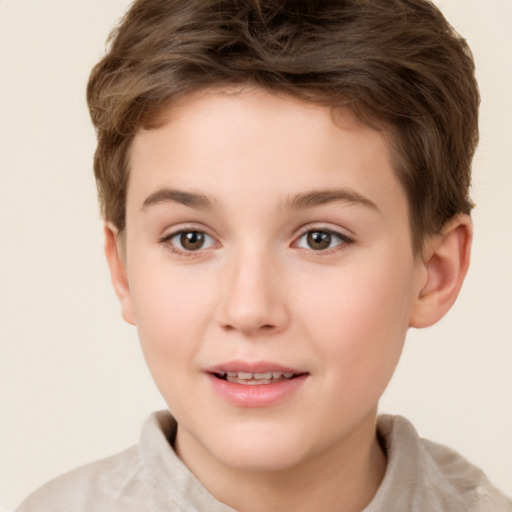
point(256, 384)
point(255, 379)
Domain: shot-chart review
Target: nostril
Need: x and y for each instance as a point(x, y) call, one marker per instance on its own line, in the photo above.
point(244, 328)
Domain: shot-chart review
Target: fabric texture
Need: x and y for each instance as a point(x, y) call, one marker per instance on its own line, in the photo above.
point(421, 476)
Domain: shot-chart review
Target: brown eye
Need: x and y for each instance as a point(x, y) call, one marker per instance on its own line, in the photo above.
point(192, 240)
point(322, 239)
point(189, 241)
point(319, 240)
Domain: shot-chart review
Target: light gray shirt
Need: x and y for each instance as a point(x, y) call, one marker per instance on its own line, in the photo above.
point(421, 476)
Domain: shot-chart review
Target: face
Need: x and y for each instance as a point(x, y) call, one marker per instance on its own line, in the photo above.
point(270, 275)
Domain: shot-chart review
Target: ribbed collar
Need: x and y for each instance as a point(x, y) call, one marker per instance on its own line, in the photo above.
point(168, 472)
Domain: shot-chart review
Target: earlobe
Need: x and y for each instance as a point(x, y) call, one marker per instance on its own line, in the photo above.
point(117, 266)
point(446, 261)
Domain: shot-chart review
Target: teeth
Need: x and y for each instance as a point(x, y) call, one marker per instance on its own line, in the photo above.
point(267, 375)
point(254, 378)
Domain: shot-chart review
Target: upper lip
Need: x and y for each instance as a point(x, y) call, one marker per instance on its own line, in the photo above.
point(252, 367)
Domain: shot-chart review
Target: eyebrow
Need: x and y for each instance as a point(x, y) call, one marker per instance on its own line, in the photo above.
point(320, 197)
point(300, 201)
point(166, 195)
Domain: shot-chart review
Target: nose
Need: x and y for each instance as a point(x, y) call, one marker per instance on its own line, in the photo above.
point(253, 296)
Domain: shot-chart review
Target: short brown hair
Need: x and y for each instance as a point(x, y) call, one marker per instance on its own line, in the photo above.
point(397, 64)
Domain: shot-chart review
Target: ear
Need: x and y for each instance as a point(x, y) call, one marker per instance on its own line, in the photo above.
point(445, 262)
point(116, 259)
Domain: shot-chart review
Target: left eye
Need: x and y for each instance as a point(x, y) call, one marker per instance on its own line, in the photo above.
point(320, 240)
point(191, 240)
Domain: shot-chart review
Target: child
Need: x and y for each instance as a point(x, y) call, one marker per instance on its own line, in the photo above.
point(285, 189)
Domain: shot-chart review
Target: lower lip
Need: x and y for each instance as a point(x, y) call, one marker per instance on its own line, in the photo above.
point(256, 395)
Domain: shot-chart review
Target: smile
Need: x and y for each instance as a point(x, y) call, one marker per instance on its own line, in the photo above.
point(255, 385)
point(251, 379)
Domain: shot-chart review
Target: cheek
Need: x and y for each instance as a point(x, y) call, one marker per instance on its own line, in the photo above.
point(359, 321)
point(172, 311)
point(171, 317)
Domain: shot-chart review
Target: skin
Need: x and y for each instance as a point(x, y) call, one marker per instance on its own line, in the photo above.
point(259, 290)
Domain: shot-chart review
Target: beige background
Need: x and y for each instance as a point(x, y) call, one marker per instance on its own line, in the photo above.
point(73, 384)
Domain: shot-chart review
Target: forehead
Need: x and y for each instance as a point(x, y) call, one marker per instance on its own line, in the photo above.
point(226, 141)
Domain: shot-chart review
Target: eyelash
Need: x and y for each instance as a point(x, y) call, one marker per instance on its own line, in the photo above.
point(167, 242)
point(343, 241)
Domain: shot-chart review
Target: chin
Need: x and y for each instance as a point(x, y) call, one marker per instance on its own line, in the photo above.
point(261, 460)
point(259, 450)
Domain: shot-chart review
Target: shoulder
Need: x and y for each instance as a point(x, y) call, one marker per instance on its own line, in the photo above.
point(121, 482)
point(149, 476)
point(102, 482)
point(423, 475)
point(466, 479)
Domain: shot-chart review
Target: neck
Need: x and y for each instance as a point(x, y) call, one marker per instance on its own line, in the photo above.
point(342, 478)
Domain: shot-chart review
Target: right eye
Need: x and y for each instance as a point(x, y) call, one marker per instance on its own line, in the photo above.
point(189, 240)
